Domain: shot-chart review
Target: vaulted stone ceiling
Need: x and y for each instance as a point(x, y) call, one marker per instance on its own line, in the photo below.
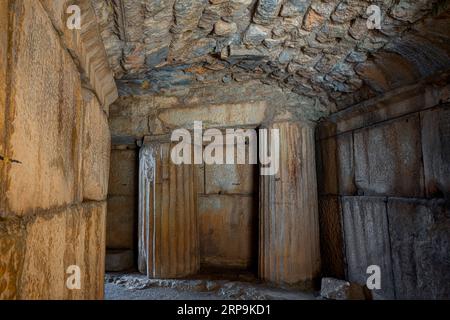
point(321, 49)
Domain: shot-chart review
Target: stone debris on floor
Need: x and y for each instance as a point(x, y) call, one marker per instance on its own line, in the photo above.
point(135, 286)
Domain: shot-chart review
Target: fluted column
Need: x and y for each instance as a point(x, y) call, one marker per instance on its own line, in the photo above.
point(289, 229)
point(168, 234)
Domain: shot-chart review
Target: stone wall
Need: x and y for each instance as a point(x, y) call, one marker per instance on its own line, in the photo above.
point(54, 150)
point(384, 191)
point(228, 215)
point(227, 194)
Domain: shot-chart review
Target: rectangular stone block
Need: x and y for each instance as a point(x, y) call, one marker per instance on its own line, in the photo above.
point(120, 225)
point(228, 230)
point(215, 115)
point(436, 151)
point(366, 238)
point(123, 174)
point(96, 149)
point(337, 165)
point(388, 159)
point(331, 237)
point(230, 179)
point(44, 117)
point(36, 253)
point(129, 126)
point(420, 241)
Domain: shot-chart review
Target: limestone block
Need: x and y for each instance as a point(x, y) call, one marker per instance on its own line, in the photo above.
point(230, 179)
point(121, 221)
point(168, 225)
point(366, 237)
point(129, 126)
point(12, 249)
point(40, 249)
point(44, 116)
point(420, 240)
point(331, 237)
point(228, 230)
point(215, 115)
point(436, 151)
point(388, 159)
point(96, 149)
point(86, 46)
point(123, 173)
point(289, 224)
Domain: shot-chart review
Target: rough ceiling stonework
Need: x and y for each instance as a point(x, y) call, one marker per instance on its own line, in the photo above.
point(315, 48)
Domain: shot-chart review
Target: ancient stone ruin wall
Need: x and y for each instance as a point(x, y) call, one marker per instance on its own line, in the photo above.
point(55, 89)
point(227, 195)
point(384, 188)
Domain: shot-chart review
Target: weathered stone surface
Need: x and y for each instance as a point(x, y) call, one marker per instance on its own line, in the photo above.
point(215, 115)
point(331, 237)
point(222, 28)
point(121, 222)
point(366, 237)
point(436, 151)
point(266, 11)
point(96, 149)
point(387, 159)
point(420, 237)
point(46, 245)
point(168, 225)
point(118, 260)
point(290, 254)
point(86, 46)
point(228, 230)
point(4, 23)
point(230, 179)
point(140, 39)
point(44, 117)
point(337, 165)
point(335, 289)
point(123, 173)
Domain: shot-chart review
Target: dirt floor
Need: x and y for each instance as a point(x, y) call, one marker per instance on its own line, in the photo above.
point(135, 286)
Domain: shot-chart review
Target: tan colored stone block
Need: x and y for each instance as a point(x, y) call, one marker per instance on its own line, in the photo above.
point(129, 126)
point(96, 149)
point(120, 225)
point(86, 46)
point(230, 179)
point(45, 118)
point(12, 249)
point(388, 159)
point(124, 172)
point(3, 89)
point(228, 230)
point(436, 151)
point(35, 253)
point(215, 115)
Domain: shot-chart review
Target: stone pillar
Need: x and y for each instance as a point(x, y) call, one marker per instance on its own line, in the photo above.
point(168, 234)
point(289, 228)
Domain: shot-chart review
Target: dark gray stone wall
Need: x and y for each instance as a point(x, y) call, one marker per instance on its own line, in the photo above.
point(384, 194)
